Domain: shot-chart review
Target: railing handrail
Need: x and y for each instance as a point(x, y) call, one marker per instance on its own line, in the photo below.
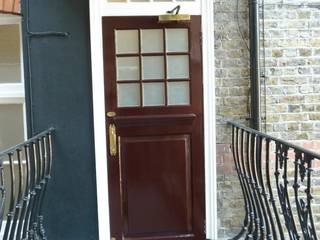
point(269, 137)
point(30, 140)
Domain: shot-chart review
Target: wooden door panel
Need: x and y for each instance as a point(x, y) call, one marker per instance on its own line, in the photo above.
point(156, 179)
point(156, 185)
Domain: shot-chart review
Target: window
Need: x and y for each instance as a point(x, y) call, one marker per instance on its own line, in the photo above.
point(152, 67)
point(12, 109)
point(147, 7)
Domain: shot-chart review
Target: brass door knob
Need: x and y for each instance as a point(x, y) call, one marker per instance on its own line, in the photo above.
point(111, 114)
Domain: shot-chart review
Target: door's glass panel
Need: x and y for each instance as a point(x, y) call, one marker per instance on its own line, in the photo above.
point(128, 95)
point(153, 94)
point(11, 125)
point(127, 41)
point(151, 40)
point(177, 40)
point(10, 71)
point(178, 66)
point(178, 93)
point(128, 68)
point(152, 67)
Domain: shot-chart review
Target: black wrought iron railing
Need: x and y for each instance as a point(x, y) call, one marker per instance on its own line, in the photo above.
point(24, 174)
point(279, 183)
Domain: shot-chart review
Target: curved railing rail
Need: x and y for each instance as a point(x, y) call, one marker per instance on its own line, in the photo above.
point(24, 174)
point(278, 180)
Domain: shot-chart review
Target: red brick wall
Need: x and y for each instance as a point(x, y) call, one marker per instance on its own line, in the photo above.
point(10, 6)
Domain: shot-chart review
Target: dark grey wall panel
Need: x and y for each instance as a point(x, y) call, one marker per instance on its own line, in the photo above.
point(59, 95)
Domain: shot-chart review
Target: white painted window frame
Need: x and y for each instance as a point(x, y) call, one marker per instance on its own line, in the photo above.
point(148, 8)
point(99, 8)
point(14, 93)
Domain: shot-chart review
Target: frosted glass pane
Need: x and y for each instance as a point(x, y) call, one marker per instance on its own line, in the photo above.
point(151, 40)
point(153, 67)
point(178, 66)
point(178, 93)
point(153, 94)
point(128, 68)
point(177, 40)
point(128, 95)
point(127, 41)
point(11, 125)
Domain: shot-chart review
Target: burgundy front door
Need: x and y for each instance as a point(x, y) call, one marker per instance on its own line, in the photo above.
point(153, 85)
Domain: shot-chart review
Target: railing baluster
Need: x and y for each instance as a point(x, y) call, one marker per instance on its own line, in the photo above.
point(250, 156)
point(246, 187)
point(19, 196)
point(3, 193)
point(312, 229)
point(256, 189)
point(255, 229)
point(260, 185)
point(271, 198)
point(12, 197)
point(43, 183)
point(235, 151)
point(33, 191)
point(28, 225)
point(47, 176)
point(23, 223)
point(246, 178)
point(37, 187)
point(290, 222)
point(280, 162)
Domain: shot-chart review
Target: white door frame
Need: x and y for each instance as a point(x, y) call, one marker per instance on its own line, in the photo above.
point(207, 11)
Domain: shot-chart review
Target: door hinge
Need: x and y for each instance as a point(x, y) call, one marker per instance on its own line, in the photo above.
point(201, 38)
point(205, 227)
